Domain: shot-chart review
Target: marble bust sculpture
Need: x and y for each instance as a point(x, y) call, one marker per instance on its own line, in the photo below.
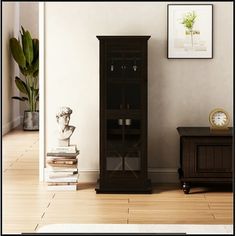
point(64, 129)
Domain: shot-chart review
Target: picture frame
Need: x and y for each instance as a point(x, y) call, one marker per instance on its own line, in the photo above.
point(190, 31)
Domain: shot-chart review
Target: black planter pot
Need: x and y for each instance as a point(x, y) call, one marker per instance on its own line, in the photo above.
point(31, 120)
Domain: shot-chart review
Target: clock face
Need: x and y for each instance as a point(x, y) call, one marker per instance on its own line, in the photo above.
point(219, 118)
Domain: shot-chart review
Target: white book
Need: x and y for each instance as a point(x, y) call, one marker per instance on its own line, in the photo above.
point(60, 174)
point(69, 149)
point(59, 169)
point(72, 179)
point(62, 187)
point(49, 171)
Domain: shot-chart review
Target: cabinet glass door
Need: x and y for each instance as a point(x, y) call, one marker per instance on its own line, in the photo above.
point(123, 147)
point(115, 65)
point(115, 96)
point(124, 96)
point(132, 96)
point(133, 61)
point(123, 109)
point(114, 145)
point(132, 144)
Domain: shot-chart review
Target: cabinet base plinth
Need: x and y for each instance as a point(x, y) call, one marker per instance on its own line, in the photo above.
point(138, 190)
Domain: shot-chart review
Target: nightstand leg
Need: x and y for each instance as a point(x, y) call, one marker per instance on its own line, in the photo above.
point(186, 187)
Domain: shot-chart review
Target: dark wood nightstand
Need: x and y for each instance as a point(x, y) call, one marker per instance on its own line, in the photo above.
point(205, 155)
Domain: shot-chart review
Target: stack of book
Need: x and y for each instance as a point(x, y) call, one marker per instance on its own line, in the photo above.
point(62, 168)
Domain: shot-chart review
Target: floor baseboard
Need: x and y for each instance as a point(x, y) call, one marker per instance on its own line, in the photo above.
point(11, 125)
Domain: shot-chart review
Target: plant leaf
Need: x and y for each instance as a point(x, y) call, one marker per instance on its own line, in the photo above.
point(23, 30)
point(35, 66)
point(24, 71)
point(36, 49)
point(28, 47)
point(21, 85)
point(17, 52)
point(20, 98)
point(35, 74)
point(36, 92)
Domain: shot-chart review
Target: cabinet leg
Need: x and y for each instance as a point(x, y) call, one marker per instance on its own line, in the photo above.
point(186, 187)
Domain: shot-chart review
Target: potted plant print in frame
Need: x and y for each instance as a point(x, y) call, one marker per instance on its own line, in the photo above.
point(189, 31)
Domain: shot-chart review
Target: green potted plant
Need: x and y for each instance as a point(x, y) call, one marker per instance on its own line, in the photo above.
point(26, 55)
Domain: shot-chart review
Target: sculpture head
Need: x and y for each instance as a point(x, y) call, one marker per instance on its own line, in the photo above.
point(63, 117)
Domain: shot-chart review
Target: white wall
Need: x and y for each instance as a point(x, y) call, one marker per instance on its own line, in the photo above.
point(180, 92)
point(10, 28)
point(29, 19)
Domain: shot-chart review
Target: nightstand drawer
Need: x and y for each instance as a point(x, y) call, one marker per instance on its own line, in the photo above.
point(214, 159)
point(205, 156)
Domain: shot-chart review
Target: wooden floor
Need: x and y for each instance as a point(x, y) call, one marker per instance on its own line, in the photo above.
point(27, 204)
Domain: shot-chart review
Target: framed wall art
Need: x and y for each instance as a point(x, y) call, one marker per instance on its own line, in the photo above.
point(190, 31)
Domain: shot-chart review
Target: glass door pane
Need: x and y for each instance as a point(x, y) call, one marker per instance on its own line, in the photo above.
point(132, 163)
point(114, 156)
point(114, 135)
point(115, 96)
point(133, 62)
point(133, 96)
point(132, 145)
point(115, 66)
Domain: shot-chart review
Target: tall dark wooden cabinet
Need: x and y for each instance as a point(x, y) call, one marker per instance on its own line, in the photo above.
point(123, 115)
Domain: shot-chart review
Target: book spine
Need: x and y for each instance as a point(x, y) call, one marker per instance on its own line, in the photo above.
point(61, 183)
point(63, 151)
point(73, 172)
point(65, 180)
point(63, 154)
point(62, 179)
point(59, 158)
point(70, 149)
point(61, 165)
point(59, 176)
point(66, 187)
point(61, 162)
point(59, 169)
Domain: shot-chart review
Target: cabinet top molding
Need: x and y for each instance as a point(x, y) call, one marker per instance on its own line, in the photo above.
point(144, 37)
point(203, 131)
